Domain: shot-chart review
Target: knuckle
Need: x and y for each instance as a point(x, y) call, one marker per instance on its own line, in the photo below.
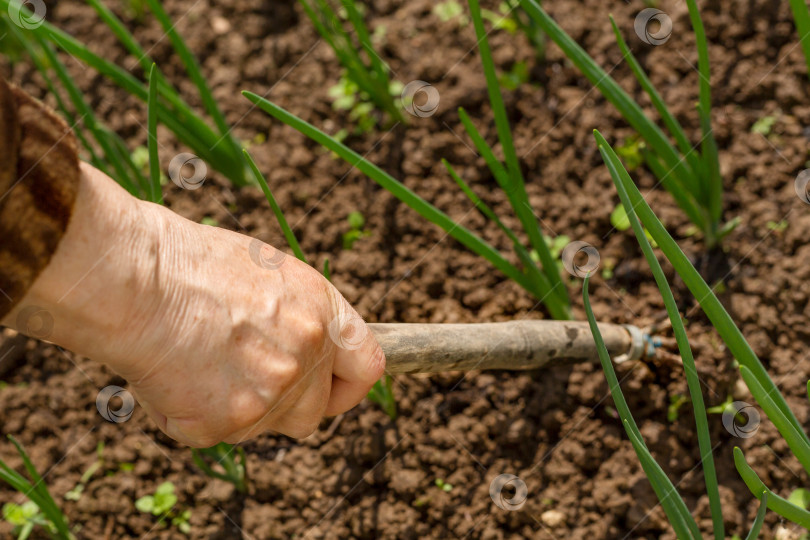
point(245, 411)
point(286, 374)
point(312, 334)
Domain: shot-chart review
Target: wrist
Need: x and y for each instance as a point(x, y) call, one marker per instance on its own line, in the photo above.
point(87, 294)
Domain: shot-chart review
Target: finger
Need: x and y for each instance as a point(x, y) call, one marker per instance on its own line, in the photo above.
point(355, 372)
point(305, 416)
point(345, 395)
point(358, 357)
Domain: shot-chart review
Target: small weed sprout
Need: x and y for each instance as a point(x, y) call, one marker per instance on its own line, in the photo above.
point(346, 95)
point(517, 75)
point(676, 401)
point(444, 486)
point(449, 10)
point(382, 393)
point(227, 457)
point(356, 223)
point(800, 497)
point(161, 505)
point(366, 78)
point(76, 493)
point(24, 517)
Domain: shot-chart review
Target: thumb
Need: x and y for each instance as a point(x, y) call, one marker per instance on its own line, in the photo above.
point(359, 360)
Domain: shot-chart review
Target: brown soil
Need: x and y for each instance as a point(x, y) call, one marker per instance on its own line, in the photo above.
point(555, 429)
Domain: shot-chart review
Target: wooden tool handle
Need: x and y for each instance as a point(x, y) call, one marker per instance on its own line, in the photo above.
point(431, 348)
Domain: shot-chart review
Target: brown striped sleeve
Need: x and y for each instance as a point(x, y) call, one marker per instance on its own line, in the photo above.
point(39, 179)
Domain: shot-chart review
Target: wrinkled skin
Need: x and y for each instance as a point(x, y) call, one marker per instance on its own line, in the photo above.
point(220, 336)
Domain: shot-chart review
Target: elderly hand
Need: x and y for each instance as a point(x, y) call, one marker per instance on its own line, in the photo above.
point(221, 336)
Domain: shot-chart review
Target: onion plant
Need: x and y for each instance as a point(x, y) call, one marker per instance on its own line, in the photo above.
point(543, 281)
point(692, 176)
point(367, 77)
point(215, 145)
point(801, 14)
point(229, 457)
point(760, 384)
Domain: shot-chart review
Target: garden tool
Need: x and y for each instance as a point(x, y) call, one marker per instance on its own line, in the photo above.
point(432, 348)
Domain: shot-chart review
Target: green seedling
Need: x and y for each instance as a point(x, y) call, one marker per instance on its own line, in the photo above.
point(24, 517)
point(140, 159)
point(356, 231)
point(347, 96)
point(421, 501)
point(382, 393)
point(608, 265)
point(632, 153)
point(211, 222)
point(76, 493)
point(366, 79)
point(449, 10)
point(764, 125)
point(777, 226)
point(721, 408)
point(444, 486)
point(800, 497)
point(46, 513)
point(229, 461)
point(675, 403)
point(517, 75)
point(620, 221)
point(500, 20)
point(161, 505)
